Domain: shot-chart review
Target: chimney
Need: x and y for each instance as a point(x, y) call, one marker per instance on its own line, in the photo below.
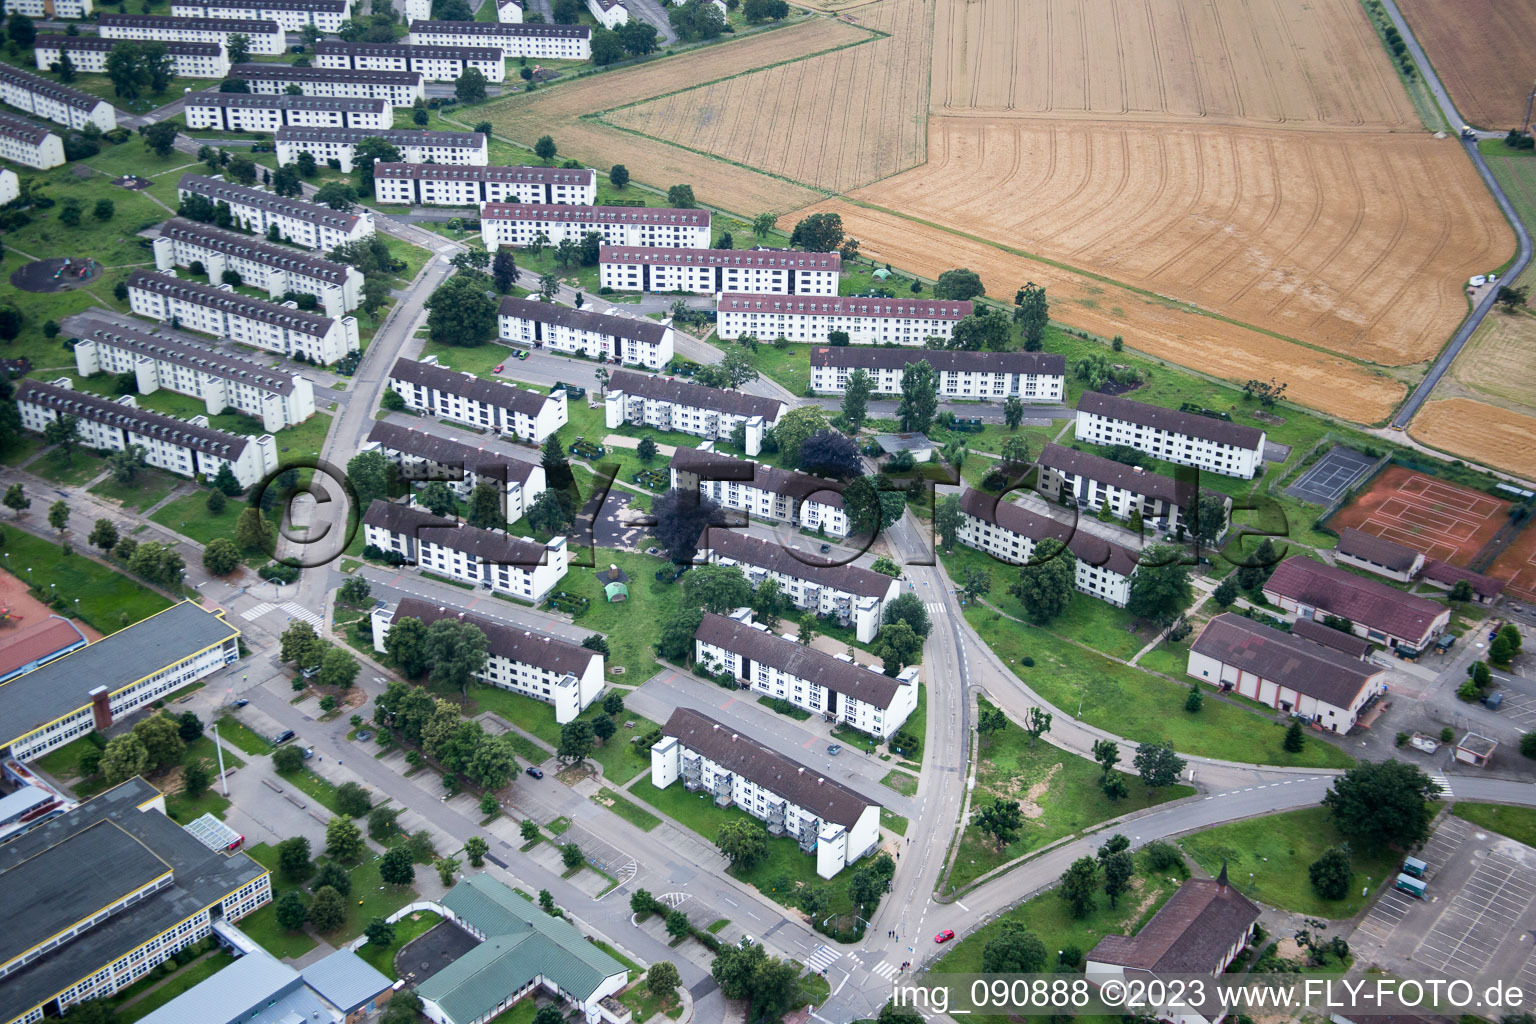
point(800, 770)
point(1221, 879)
point(101, 708)
point(734, 737)
point(820, 780)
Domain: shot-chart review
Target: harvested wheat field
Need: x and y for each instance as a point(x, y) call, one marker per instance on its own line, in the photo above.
point(1160, 327)
point(1476, 430)
point(1500, 360)
point(1481, 49)
point(1245, 62)
point(1356, 243)
point(835, 121)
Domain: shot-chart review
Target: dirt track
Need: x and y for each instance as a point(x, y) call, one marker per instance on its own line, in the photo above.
point(1476, 430)
point(1482, 51)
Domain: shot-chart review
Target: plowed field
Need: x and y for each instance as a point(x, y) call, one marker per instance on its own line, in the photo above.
point(1500, 360)
point(1492, 435)
point(1482, 51)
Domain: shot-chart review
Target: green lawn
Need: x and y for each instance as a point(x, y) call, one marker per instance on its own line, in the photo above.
point(322, 791)
point(189, 516)
point(1276, 851)
point(904, 783)
point(538, 718)
point(645, 1006)
point(148, 487)
point(626, 809)
point(264, 930)
point(238, 734)
point(631, 625)
point(893, 821)
point(64, 763)
point(790, 365)
point(521, 1012)
point(181, 808)
point(477, 359)
point(407, 928)
point(109, 600)
point(70, 470)
point(1515, 170)
point(182, 980)
point(1058, 792)
point(1518, 823)
point(369, 898)
point(1168, 657)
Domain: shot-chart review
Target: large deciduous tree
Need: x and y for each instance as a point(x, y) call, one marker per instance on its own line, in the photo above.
point(1382, 803)
point(1044, 586)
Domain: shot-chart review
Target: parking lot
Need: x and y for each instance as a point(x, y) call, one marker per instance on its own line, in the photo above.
point(1476, 920)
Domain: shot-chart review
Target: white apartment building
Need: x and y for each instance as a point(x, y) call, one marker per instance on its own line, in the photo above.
point(489, 559)
point(10, 186)
point(53, 102)
point(260, 264)
point(185, 447)
point(340, 144)
point(642, 400)
point(89, 53)
point(264, 37)
point(548, 669)
point(422, 457)
point(28, 143)
point(609, 13)
point(435, 63)
point(256, 210)
point(292, 15)
point(397, 88)
point(963, 376)
point(50, 10)
point(1009, 533)
point(417, 184)
point(628, 268)
point(600, 336)
point(1092, 481)
point(829, 685)
point(549, 42)
point(110, 343)
point(866, 321)
point(417, 10)
point(243, 112)
point(519, 223)
point(508, 12)
point(851, 595)
point(825, 817)
point(1183, 438)
point(763, 492)
point(501, 406)
point(220, 310)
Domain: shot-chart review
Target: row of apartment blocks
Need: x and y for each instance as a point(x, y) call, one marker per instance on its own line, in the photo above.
point(1183, 438)
point(643, 400)
point(976, 376)
point(508, 12)
point(43, 10)
point(497, 406)
point(261, 264)
point(89, 53)
point(112, 343)
point(517, 224)
point(637, 268)
point(826, 818)
point(243, 112)
point(1165, 504)
point(490, 559)
point(605, 337)
point(220, 310)
point(303, 223)
point(763, 492)
point(548, 42)
point(434, 63)
point(29, 143)
point(54, 102)
point(340, 145)
point(865, 320)
point(290, 15)
point(421, 457)
point(187, 448)
point(263, 37)
point(421, 184)
point(545, 668)
point(397, 88)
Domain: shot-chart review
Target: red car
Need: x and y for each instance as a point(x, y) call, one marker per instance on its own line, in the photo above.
point(499, 367)
point(944, 936)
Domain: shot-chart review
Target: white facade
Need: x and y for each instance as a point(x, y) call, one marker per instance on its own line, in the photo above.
point(762, 492)
point(866, 321)
point(10, 186)
point(305, 224)
point(340, 144)
point(422, 456)
point(89, 53)
point(53, 102)
point(185, 447)
point(609, 13)
point(292, 15)
point(38, 10)
point(1185, 439)
point(600, 336)
point(550, 42)
point(397, 88)
point(242, 112)
point(437, 391)
point(29, 144)
point(508, 12)
point(713, 271)
point(418, 184)
point(518, 224)
point(260, 264)
point(1335, 717)
point(641, 400)
point(264, 37)
point(962, 376)
point(1092, 482)
point(490, 559)
point(435, 63)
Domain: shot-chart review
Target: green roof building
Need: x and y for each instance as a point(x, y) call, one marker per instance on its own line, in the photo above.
point(521, 949)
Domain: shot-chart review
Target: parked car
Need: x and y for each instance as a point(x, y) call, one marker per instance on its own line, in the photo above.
point(282, 737)
point(535, 771)
point(309, 752)
point(522, 354)
point(834, 749)
point(498, 367)
point(944, 936)
point(242, 702)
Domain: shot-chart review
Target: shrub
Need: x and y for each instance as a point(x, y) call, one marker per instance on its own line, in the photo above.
point(1162, 856)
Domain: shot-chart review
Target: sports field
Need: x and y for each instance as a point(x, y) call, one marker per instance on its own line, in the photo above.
point(1516, 565)
point(1481, 49)
point(1443, 520)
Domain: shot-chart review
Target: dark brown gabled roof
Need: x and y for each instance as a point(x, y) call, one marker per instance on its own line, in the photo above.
point(343, 104)
point(97, 409)
point(1118, 474)
point(447, 452)
point(1191, 424)
point(712, 465)
point(140, 339)
point(323, 6)
point(506, 641)
point(257, 250)
point(647, 331)
point(1291, 661)
point(1379, 550)
point(753, 259)
point(20, 128)
point(40, 86)
point(1445, 572)
point(232, 302)
point(572, 214)
point(503, 28)
point(1355, 646)
point(512, 174)
point(851, 305)
point(828, 800)
point(395, 137)
point(216, 190)
point(694, 395)
point(171, 23)
point(289, 73)
point(488, 545)
point(748, 550)
point(1190, 934)
point(1362, 601)
point(942, 360)
point(409, 51)
point(174, 47)
point(798, 660)
point(1087, 547)
point(467, 385)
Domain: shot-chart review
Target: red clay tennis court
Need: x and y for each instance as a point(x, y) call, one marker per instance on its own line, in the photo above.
point(1516, 565)
point(1442, 520)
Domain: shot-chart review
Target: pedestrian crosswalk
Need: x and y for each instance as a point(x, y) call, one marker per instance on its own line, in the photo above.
point(1442, 782)
point(252, 614)
point(824, 957)
point(934, 607)
point(884, 969)
point(298, 611)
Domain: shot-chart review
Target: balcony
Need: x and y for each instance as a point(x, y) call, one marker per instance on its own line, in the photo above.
point(692, 773)
point(722, 790)
point(810, 828)
point(775, 818)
